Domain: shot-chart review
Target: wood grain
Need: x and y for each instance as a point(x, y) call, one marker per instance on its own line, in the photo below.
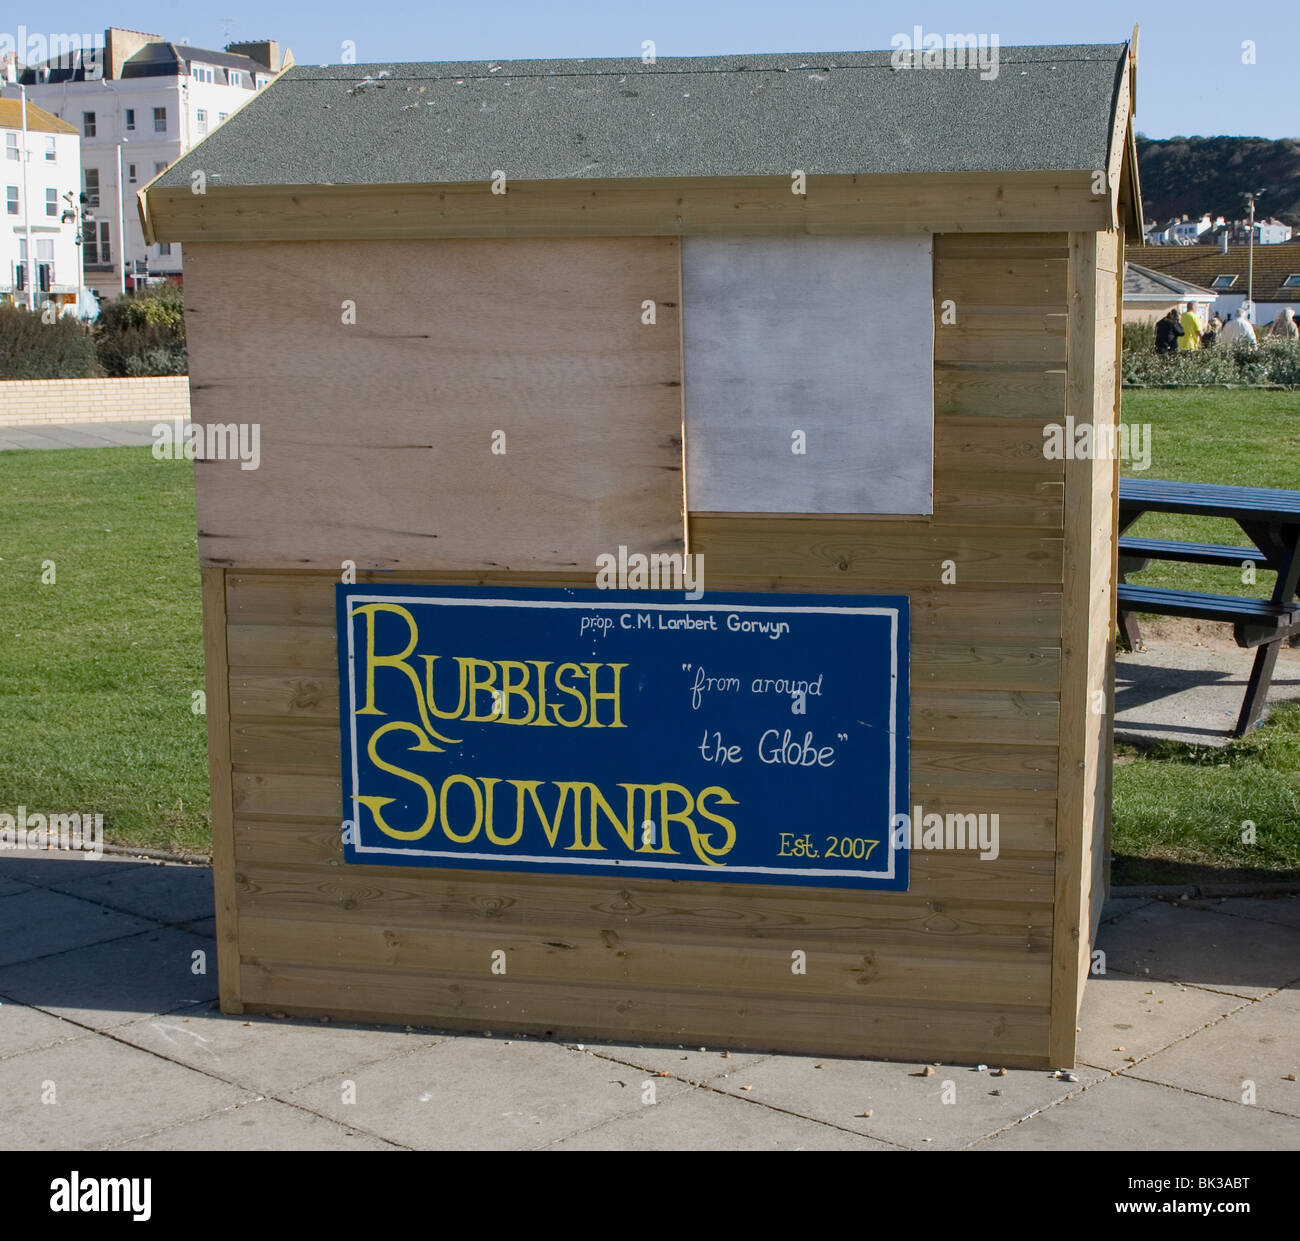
point(455, 345)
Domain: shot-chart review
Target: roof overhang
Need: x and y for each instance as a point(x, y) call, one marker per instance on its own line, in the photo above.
point(737, 206)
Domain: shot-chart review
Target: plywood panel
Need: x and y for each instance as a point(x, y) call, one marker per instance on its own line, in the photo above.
point(377, 437)
point(788, 408)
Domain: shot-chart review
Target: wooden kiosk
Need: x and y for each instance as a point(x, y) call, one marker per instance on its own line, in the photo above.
point(474, 310)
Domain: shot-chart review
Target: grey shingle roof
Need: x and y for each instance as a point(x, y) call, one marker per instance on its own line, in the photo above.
point(1048, 108)
point(1143, 283)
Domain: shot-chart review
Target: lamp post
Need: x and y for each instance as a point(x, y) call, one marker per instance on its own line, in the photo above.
point(1250, 254)
point(29, 263)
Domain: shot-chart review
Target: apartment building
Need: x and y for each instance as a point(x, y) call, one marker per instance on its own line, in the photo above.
point(40, 208)
point(139, 103)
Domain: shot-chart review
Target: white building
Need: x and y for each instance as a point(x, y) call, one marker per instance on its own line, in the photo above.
point(139, 103)
point(52, 160)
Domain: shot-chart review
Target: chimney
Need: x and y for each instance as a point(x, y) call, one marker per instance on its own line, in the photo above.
point(120, 45)
point(264, 51)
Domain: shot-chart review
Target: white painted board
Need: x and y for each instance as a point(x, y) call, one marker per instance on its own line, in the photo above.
point(829, 336)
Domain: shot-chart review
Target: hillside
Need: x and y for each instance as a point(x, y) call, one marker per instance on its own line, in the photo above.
point(1195, 175)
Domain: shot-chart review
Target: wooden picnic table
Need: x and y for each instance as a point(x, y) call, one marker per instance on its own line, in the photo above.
point(1269, 518)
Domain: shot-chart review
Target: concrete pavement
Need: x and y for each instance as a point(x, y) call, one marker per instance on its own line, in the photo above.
point(78, 434)
point(109, 1040)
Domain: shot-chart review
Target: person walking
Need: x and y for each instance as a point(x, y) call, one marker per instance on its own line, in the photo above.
point(1239, 329)
point(1191, 337)
point(1168, 330)
point(1285, 325)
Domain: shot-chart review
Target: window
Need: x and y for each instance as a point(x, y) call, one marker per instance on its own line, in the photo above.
point(1292, 282)
point(51, 151)
point(1223, 282)
point(130, 119)
point(164, 249)
point(44, 264)
point(11, 146)
point(160, 120)
point(202, 117)
point(95, 238)
point(11, 199)
point(262, 80)
point(51, 202)
point(92, 187)
point(160, 166)
point(234, 77)
point(130, 173)
point(201, 73)
point(221, 116)
point(88, 124)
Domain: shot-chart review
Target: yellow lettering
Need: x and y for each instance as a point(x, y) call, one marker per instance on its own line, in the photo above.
point(613, 694)
point(376, 804)
point(568, 689)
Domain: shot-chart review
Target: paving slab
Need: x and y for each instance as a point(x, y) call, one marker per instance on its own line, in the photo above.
point(114, 983)
point(1258, 1043)
point(703, 1120)
point(262, 1125)
point(103, 1093)
point(37, 924)
point(1193, 694)
point(1123, 1017)
point(268, 1056)
point(41, 867)
point(26, 1029)
point(907, 1109)
point(1281, 909)
point(688, 1063)
point(468, 1093)
point(1204, 948)
point(1118, 906)
point(79, 434)
point(1122, 1113)
point(182, 894)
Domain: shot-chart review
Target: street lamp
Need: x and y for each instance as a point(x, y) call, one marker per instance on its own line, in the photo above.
point(1250, 252)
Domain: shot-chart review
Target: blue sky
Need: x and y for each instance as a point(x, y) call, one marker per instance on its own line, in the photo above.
point(1191, 78)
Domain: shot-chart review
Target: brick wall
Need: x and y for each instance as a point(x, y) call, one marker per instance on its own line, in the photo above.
point(155, 398)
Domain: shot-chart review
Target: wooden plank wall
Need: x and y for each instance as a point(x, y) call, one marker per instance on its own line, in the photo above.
point(960, 966)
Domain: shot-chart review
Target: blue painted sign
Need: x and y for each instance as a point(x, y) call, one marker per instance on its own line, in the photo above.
point(741, 738)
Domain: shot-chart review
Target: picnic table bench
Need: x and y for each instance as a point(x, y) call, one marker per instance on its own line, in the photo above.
point(1269, 518)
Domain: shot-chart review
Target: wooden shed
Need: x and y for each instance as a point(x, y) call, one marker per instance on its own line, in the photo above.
point(491, 330)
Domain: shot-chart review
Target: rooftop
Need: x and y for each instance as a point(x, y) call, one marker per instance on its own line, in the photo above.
point(1046, 108)
point(1202, 265)
point(11, 117)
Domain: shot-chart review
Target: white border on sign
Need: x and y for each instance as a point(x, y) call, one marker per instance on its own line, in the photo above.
point(673, 867)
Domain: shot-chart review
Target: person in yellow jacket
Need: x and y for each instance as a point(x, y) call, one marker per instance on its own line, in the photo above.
point(1191, 337)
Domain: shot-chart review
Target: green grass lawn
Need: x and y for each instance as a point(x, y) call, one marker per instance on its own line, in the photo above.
point(1179, 809)
point(99, 668)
